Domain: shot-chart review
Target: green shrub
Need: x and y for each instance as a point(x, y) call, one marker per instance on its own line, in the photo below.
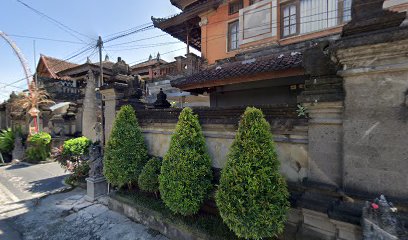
point(39, 147)
point(252, 197)
point(7, 141)
point(72, 155)
point(76, 148)
point(186, 175)
point(126, 152)
point(149, 178)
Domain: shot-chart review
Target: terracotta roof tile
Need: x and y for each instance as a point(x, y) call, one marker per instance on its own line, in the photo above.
point(55, 65)
point(242, 68)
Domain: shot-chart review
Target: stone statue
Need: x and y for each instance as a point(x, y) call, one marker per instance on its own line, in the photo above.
point(18, 151)
point(96, 184)
point(161, 101)
point(380, 221)
point(95, 161)
point(98, 132)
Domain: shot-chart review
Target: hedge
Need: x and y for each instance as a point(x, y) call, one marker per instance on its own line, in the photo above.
point(149, 178)
point(39, 147)
point(252, 196)
point(125, 152)
point(186, 175)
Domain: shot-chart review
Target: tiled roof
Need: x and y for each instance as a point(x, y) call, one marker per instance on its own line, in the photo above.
point(242, 68)
point(148, 63)
point(55, 65)
point(106, 64)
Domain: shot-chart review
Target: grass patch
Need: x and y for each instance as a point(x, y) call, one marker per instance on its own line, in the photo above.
point(205, 223)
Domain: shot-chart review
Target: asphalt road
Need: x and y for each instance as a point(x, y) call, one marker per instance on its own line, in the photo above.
point(62, 216)
point(23, 181)
point(19, 184)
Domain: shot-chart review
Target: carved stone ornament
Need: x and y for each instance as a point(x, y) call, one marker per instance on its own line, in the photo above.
point(95, 161)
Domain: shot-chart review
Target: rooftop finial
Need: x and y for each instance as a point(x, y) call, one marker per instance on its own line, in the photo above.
point(106, 57)
point(158, 56)
point(150, 57)
point(88, 60)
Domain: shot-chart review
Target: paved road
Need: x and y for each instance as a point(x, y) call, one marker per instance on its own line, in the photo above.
point(23, 182)
point(62, 216)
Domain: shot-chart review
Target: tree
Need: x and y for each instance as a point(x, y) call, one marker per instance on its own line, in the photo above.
point(149, 178)
point(29, 102)
point(126, 152)
point(186, 175)
point(252, 196)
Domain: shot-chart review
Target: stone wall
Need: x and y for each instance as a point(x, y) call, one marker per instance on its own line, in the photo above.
point(219, 127)
point(291, 145)
point(376, 117)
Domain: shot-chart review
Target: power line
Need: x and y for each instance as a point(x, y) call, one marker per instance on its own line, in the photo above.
point(58, 23)
point(76, 54)
point(149, 27)
point(141, 60)
point(43, 38)
point(144, 46)
point(130, 29)
point(253, 12)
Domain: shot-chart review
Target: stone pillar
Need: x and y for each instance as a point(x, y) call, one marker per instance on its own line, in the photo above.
point(193, 63)
point(376, 114)
point(89, 115)
point(111, 97)
point(179, 64)
point(374, 56)
point(323, 98)
point(325, 142)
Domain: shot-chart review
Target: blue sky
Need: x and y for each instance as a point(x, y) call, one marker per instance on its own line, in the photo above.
point(89, 17)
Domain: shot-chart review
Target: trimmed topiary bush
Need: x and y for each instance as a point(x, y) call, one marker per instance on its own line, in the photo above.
point(252, 196)
point(149, 178)
point(73, 155)
point(76, 148)
point(125, 152)
point(186, 175)
point(39, 147)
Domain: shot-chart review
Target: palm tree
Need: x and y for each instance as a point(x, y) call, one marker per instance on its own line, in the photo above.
point(29, 102)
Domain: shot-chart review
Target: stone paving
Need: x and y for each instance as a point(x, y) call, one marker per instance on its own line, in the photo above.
point(68, 215)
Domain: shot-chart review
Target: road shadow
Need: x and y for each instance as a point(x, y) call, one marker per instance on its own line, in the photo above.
point(16, 166)
point(47, 184)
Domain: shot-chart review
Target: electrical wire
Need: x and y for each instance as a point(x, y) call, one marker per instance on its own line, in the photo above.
point(58, 23)
point(146, 27)
point(43, 38)
point(76, 54)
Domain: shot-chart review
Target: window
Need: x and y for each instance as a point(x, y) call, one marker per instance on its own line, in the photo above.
point(289, 20)
point(305, 16)
point(233, 39)
point(235, 6)
point(346, 10)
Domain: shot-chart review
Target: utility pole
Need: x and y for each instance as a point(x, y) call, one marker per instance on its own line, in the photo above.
point(36, 85)
point(100, 46)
